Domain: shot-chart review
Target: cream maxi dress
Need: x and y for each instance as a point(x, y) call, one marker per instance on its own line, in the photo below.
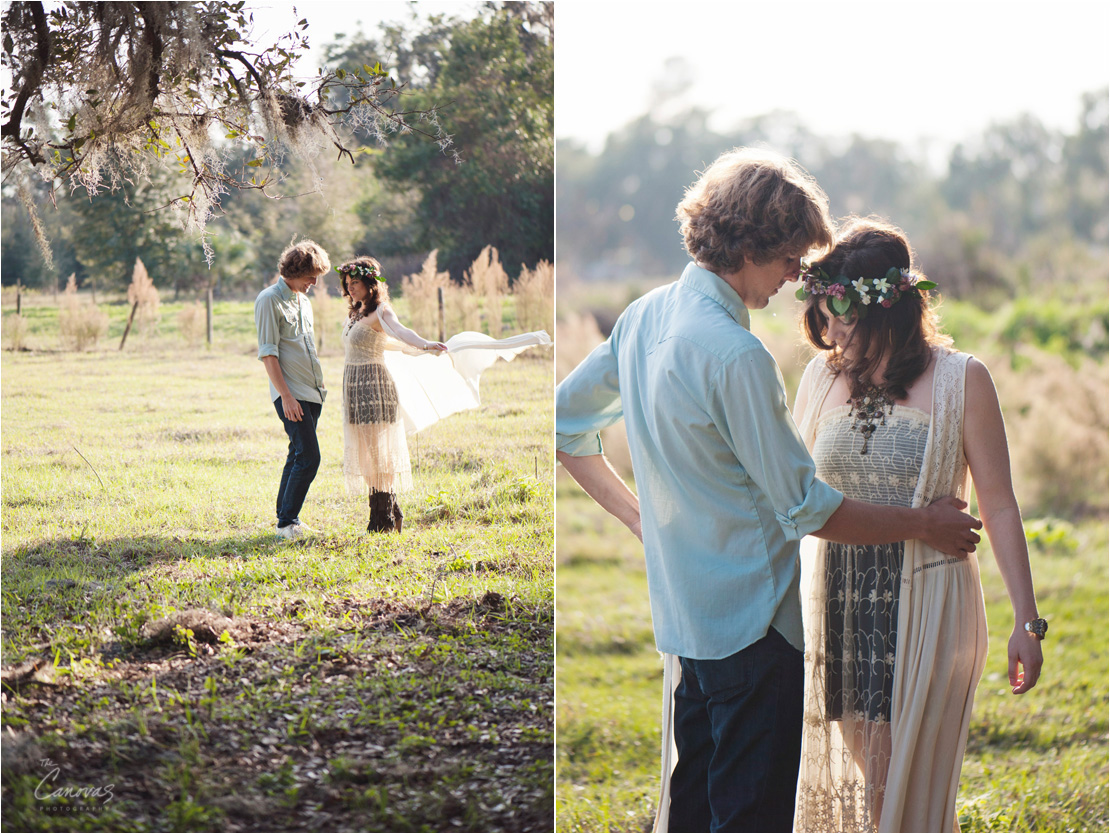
point(375, 449)
point(873, 761)
point(391, 390)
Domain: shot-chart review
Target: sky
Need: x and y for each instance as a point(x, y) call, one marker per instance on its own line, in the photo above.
point(922, 73)
point(327, 18)
point(926, 73)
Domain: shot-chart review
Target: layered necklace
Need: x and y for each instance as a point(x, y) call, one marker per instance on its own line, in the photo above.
point(868, 412)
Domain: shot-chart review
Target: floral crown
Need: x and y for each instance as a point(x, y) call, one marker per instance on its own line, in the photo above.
point(360, 271)
point(845, 295)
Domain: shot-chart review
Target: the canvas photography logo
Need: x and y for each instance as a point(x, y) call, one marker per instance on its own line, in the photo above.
point(58, 794)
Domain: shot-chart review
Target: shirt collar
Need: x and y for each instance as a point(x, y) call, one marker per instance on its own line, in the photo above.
point(716, 288)
point(287, 293)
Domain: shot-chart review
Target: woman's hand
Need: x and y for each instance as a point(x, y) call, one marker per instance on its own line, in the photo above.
point(1025, 660)
point(438, 347)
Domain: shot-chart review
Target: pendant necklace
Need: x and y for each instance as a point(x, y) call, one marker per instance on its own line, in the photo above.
point(868, 412)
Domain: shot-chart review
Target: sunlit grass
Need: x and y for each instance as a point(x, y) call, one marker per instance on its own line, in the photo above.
point(390, 682)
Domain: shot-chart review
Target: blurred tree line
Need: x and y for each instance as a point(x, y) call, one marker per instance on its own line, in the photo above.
point(489, 78)
point(1022, 209)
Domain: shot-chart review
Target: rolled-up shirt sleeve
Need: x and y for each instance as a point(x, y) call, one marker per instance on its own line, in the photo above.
point(748, 401)
point(587, 401)
point(266, 322)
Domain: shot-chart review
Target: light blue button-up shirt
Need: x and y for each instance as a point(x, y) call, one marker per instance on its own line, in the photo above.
point(726, 486)
point(284, 322)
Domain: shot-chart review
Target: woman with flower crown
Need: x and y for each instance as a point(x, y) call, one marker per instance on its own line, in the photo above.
point(896, 634)
point(375, 450)
point(396, 382)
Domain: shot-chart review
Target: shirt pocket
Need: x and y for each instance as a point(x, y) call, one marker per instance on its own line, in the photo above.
point(288, 323)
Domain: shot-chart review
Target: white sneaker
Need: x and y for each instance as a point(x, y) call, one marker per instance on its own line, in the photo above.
point(289, 531)
point(305, 529)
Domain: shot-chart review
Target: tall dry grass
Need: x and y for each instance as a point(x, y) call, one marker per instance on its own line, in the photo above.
point(461, 309)
point(485, 286)
point(1058, 426)
point(534, 298)
point(81, 326)
point(420, 291)
point(142, 290)
point(488, 280)
point(192, 322)
point(16, 329)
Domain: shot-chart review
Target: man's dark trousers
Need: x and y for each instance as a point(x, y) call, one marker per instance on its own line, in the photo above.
point(738, 729)
point(300, 464)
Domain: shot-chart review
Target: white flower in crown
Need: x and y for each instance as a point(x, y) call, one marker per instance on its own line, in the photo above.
point(861, 288)
point(881, 284)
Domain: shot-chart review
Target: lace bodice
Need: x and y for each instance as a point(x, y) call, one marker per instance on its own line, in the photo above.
point(362, 344)
point(889, 472)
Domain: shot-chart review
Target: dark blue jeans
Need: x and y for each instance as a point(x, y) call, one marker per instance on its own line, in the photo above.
point(738, 728)
point(300, 464)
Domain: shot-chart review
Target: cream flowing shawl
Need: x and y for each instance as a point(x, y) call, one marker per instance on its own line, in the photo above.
point(940, 657)
point(431, 386)
point(941, 651)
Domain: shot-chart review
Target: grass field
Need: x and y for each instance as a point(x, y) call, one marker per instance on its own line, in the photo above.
point(170, 665)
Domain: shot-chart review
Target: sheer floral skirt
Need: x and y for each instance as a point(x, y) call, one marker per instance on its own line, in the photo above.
point(851, 651)
point(861, 587)
point(375, 450)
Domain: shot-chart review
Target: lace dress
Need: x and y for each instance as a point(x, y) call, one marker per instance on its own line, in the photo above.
point(895, 635)
point(375, 451)
point(861, 583)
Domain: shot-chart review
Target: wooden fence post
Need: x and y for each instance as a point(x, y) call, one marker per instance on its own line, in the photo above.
point(442, 315)
point(131, 318)
point(208, 314)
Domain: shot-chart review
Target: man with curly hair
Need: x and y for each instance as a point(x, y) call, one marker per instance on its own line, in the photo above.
point(726, 488)
point(287, 348)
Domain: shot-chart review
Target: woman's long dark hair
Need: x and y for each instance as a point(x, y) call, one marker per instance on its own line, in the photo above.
point(906, 331)
point(377, 293)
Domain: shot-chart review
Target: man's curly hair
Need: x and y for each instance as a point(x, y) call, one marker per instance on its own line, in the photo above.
point(752, 205)
point(306, 259)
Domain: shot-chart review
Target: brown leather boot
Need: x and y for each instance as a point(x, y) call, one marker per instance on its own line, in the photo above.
point(381, 512)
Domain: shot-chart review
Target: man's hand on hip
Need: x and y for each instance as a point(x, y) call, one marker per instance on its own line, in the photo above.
point(949, 530)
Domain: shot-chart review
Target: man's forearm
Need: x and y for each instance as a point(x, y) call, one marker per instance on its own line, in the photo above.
point(941, 525)
point(273, 371)
point(601, 482)
point(855, 522)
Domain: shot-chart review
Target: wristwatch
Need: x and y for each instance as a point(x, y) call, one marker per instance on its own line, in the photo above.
point(1037, 628)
